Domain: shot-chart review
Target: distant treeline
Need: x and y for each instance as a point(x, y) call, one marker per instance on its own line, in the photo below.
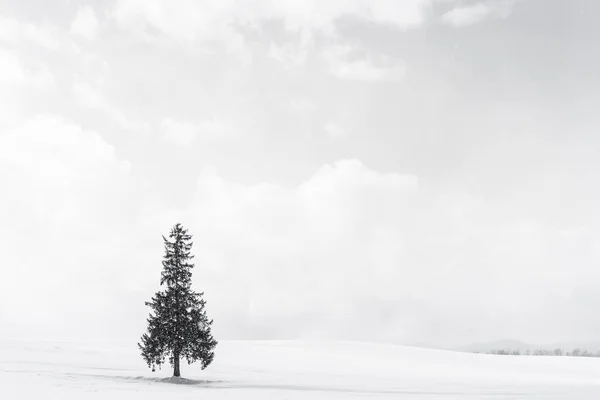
point(544, 352)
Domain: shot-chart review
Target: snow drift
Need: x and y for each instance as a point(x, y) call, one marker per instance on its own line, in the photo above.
point(281, 369)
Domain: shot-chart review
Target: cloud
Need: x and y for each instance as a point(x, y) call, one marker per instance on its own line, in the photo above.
point(92, 97)
point(282, 243)
point(191, 20)
point(288, 54)
point(54, 148)
point(13, 31)
point(463, 16)
point(65, 191)
point(349, 253)
point(182, 20)
point(314, 14)
point(184, 134)
point(62, 165)
point(474, 248)
point(214, 26)
point(11, 71)
point(21, 84)
point(353, 244)
point(180, 133)
point(85, 23)
point(334, 130)
point(89, 96)
point(350, 63)
point(302, 106)
point(214, 23)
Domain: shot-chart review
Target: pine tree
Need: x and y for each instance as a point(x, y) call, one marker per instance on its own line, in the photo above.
point(178, 326)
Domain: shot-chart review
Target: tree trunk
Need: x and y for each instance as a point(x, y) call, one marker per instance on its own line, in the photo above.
point(176, 365)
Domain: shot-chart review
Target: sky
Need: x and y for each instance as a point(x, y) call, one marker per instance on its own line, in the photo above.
point(411, 172)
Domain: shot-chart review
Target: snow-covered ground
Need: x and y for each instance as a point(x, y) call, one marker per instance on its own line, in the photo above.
point(291, 370)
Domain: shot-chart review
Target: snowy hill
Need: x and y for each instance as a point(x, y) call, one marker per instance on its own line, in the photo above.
point(522, 346)
point(500, 344)
point(290, 370)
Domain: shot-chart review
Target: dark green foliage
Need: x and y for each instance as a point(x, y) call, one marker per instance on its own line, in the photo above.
point(177, 326)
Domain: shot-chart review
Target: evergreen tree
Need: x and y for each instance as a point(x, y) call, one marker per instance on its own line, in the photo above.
point(177, 326)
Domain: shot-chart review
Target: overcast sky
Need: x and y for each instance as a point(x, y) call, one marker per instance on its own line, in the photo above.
point(415, 171)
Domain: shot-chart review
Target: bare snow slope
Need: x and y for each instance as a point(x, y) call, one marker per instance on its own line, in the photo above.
point(291, 370)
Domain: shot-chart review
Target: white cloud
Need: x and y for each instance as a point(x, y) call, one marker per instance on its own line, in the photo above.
point(66, 192)
point(288, 54)
point(218, 21)
point(361, 241)
point(348, 244)
point(280, 258)
point(192, 20)
point(184, 20)
point(214, 23)
point(49, 137)
point(334, 130)
point(92, 96)
point(349, 63)
point(11, 71)
point(13, 31)
point(472, 14)
point(19, 84)
point(180, 133)
point(302, 106)
point(293, 241)
point(9, 29)
point(88, 96)
point(185, 133)
point(57, 157)
point(316, 14)
point(85, 23)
